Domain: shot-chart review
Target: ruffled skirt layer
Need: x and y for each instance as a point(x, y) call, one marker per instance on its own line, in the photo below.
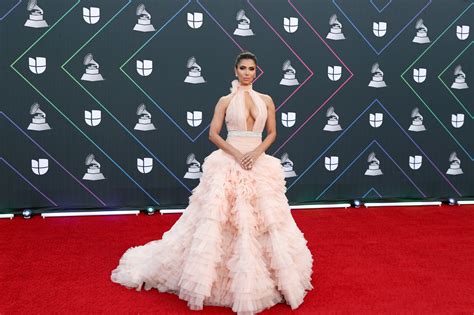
point(235, 245)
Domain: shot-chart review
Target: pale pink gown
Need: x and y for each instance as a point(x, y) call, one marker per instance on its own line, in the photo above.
point(236, 244)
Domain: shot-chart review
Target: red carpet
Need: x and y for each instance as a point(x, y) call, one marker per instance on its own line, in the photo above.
point(417, 260)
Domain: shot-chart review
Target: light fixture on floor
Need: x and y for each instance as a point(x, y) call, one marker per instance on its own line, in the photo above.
point(27, 213)
point(150, 210)
point(356, 203)
point(452, 202)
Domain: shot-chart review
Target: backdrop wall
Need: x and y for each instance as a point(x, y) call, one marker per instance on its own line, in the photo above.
point(372, 102)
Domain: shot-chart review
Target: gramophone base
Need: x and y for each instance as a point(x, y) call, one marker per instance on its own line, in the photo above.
point(241, 32)
point(332, 128)
point(39, 127)
point(92, 77)
point(377, 84)
point(144, 127)
point(335, 36)
point(459, 86)
point(88, 176)
point(144, 28)
point(374, 172)
point(36, 24)
point(421, 40)
point(289, 174)
point(289, 82)
point(194, 80)
point(192, 175)
point(417, 128)
point(454, 171)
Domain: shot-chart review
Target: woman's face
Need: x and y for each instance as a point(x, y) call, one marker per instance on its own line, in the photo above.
point(246, 71)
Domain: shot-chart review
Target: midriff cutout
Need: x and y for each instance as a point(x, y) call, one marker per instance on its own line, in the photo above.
point(251, 109)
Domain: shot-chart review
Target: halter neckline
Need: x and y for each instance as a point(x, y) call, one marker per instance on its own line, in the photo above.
point(236, 86)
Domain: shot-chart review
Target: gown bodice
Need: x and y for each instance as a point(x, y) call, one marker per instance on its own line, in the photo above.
point(236, 116)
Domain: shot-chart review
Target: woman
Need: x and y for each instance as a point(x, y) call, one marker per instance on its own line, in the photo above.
point(236, 244)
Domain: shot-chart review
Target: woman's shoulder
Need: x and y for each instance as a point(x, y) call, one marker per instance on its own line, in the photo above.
point(225, 99)
point(267, 98)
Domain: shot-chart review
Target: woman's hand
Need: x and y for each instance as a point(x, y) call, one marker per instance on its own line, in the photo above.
point(248, 159)
point(238, 157)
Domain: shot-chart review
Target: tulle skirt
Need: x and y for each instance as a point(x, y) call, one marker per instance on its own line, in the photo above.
point(236, 244)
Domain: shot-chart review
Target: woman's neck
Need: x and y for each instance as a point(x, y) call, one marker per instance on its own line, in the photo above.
point(245, 87)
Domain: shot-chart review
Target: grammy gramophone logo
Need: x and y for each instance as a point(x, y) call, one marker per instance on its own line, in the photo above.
point(194, 75)
point(144, 20)
point(243, 26)
point(289, 74)
point(421, 33)
point(336, 29)
point(454, 165)
point(144, 119)
point(333, 121)
point(38, 122)
point(377, 77)
point(36, 19)
point(92, 69)
point(374, 166)
point(287, 165)
point(93, 169)
point(459, 79)
point(194, 167)
point(417, 121)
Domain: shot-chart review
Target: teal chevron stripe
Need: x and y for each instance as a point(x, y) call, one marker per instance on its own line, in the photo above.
point(107, 110)
point(141, 89)
point(448, 88)
point(421, 99)
point(65, 116)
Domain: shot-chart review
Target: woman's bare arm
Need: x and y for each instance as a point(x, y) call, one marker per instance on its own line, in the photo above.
point(216, 126)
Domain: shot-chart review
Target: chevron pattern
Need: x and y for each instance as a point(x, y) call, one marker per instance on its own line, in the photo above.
point(181, 112)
